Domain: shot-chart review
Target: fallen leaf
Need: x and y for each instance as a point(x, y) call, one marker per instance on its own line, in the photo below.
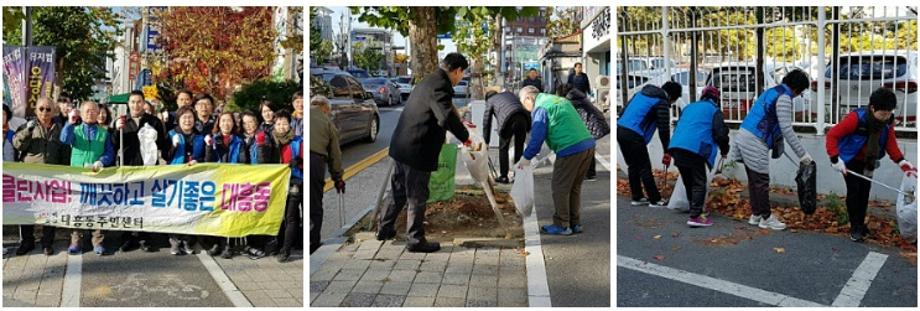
point(657, 237)
point(779, 250)
point(659, 258)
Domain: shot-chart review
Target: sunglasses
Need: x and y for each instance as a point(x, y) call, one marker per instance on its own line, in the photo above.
point(44, 109)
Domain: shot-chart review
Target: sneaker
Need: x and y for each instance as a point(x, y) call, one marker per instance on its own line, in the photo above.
point(227, 253)
point(186, 249)
point(215, 250)
point(642, 201)
point(384, 235)
point(659, 204)
point(591, 177)
point(702, 220)
point(424, 247)
point(502, 180)
point(146, 247)
point(754, 220)
point(772, 223)
point(577, 229)
point(74, 250)
point(856, 236)
point(24, 249)
point(556, 230)
point(255, 253)
point(99, 250)
point(176, 250)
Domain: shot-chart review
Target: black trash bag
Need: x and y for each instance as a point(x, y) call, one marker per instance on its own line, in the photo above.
point(807, 186)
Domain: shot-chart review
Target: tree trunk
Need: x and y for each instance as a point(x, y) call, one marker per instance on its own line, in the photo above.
point(497, 47)
point(423, 36)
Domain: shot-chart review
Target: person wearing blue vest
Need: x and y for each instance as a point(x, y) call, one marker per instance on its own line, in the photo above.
point(700, 129)
point(648, 110)
point(188, 147)
point(556, 122)
point(857, 143)
point(289, 150)
point(225, 147)
point(768, 126)
point(91, 147)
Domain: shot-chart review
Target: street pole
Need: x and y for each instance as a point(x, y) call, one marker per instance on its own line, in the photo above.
point(27, 28)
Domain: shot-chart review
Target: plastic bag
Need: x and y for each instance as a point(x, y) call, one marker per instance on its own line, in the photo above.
point(476, 160)
point(907, 209)
point(807, 187)
point(441, 185)
point(678, 200)
point(148, 140)
point(522, 190)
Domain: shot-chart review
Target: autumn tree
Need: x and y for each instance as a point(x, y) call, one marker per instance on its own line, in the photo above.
point(421, 24)
point(216, 49)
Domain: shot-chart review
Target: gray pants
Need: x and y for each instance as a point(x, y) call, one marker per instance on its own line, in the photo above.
point(568, 174)
point(409, 186)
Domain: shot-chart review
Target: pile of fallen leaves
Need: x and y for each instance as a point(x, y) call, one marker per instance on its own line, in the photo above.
point(468, 214)
point(724, 198)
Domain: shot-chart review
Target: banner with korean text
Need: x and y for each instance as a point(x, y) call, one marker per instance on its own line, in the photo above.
point(230, 200)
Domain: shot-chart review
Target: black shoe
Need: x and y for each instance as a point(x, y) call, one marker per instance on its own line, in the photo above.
point(856, 235)
point(284, 256)
point(502, 180)
point(383, 235)
point(255, 253)
point(314, 247)
point(147, 248)
point(24, 249)
point(129, 246)
point(591, 177)
point(424, 247)
point(214, 251)
point(48, 251)
point(227, 253)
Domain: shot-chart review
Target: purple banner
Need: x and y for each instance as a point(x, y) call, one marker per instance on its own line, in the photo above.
point(40, 74)
point(13, 77)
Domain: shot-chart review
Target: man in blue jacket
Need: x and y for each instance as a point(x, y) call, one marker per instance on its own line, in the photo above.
point(648, 110)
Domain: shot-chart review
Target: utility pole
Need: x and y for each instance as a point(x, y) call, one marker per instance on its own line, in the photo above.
point(27, 28)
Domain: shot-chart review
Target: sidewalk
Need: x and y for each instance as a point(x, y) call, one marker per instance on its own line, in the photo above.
point(370, 273)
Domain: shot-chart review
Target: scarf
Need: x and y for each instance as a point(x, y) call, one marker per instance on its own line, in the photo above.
point(283, 138)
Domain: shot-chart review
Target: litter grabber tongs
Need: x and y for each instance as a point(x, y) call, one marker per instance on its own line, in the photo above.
point(341, 209)
point(911, 195)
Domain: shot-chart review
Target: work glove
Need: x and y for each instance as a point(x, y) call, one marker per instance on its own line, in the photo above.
point(31, 124)
point(469, 124)
point(74, 116)
point(908, 168)
point(468, 143)
point(840, 166)
point(97, 166)
point(806, 159)
point(120, 123)
point(208, 140)
point(175, 140)
point(666, 159)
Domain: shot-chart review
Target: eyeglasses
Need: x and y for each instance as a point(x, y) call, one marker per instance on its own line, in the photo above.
point(43, 109)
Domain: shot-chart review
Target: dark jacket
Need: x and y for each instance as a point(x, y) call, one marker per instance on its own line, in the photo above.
point(503, 106)
point(132, 151)
point(425, 120)
point(537, 83)
point(580, 82)
point(594, 119)
point(256, 153)
point(40, 145)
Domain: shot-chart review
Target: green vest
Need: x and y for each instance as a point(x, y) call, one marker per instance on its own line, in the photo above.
point(86, 152)
point(565, 126)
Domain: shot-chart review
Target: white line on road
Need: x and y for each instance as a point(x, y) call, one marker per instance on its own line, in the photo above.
point(537, 284)
point(73, 280)
point(852, 294)
point(743, 291)
point(226, 285)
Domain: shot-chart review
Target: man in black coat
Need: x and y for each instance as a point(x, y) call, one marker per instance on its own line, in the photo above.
point(415, 147)
point(513, 121)
point(579, 80)
point(533, 79)
point(129, 125)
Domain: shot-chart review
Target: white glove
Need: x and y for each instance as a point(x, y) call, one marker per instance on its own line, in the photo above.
point(97, 166)
point(207, 140)
point(807, 159)
point(192, 162)
point(175, 140)
point(840, 166)
point(522, 163)
point(31, 124)
point(119, 124)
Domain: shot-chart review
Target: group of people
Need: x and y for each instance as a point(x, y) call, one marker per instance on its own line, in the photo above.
point(90, 136)
point(855, 144)
point(421, 131)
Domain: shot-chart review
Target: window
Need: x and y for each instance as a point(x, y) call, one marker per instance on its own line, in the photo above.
point(543, 31)
point(520, 30)
point(340, 87)
point(530, 30)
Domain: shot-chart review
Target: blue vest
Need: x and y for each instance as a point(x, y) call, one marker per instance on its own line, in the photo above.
point(634, 116)
point(694, 130)
point(296, 172)
point(851, 144)
point(197, 148)
point(761, 120)
point(233, 149)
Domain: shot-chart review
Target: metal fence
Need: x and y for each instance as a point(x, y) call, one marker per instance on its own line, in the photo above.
point(847, 51)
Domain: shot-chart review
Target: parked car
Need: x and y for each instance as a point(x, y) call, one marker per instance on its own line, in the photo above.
point(405, 86)
point(462, 92)
point(860, 74)
point(385, 92)
point(359, 74)
point(354, 111)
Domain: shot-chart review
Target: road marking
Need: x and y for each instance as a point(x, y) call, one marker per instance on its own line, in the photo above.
point(356, 168)
point(73, 280)
point(226, 285)
point(735, 289)
point(537, 284)
point(853, 292)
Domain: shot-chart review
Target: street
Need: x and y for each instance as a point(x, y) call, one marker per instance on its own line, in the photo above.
point(661, 262)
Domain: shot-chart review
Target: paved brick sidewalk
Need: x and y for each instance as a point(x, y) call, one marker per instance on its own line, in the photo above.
point(33, 280)
point(266, 282)
point(371, 273)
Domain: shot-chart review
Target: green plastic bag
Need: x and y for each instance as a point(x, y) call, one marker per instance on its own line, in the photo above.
point(441, 186)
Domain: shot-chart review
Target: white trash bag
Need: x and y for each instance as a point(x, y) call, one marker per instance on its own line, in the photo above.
point(522, 190)
point(678, 200)
point(907, 209)
point(148, 139)
point(476, 158)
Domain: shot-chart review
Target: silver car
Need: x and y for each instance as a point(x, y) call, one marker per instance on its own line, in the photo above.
point(385, 92)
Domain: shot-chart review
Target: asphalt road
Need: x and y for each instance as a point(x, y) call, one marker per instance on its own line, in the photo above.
point(812, 267)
